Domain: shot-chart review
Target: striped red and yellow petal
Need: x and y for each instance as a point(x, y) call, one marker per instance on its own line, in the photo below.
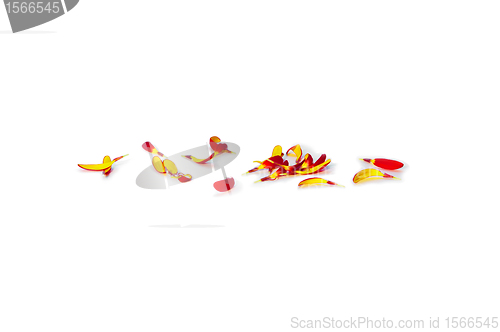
point(277, 151)
point(370, 173)
point(317, 181)
point(201, 161)
point(107, 171)
point(295, 151)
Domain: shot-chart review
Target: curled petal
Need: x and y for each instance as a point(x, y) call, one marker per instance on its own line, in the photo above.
point(201, 161)
point(317, 181)
point(274, 176)
point(295, 151)
point(217, 146)
point(107, 162)
point(107, 171)
point(370, 173)
point(277, 151)
point(96, 167)
point(118, 158)
point(314, 169)
point(214, 140)
point(308, 161)
point(320, 160)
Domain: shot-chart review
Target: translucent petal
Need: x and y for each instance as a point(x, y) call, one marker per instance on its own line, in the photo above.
point(317, 181)
point(224, 185)
point(370, 173)
point(170, 166)
point(158, 164)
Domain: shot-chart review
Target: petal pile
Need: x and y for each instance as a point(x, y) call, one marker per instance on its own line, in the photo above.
point(278, 167)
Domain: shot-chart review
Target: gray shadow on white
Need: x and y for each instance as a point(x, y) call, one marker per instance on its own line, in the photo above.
point(149, 178)
point(8, 32)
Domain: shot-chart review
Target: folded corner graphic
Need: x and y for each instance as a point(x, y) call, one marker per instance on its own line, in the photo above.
point(194, 163)
point(25, 15)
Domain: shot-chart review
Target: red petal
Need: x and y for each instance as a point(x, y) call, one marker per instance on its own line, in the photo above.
point(224, 185)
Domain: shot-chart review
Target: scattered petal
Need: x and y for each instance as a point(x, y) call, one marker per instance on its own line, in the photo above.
point(317, 181)
point(384, 163)
point(224, 185)
point(370, 173)
point(105, 167)
point(217, 147)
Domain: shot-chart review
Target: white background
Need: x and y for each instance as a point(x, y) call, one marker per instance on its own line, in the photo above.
point(413, 81)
